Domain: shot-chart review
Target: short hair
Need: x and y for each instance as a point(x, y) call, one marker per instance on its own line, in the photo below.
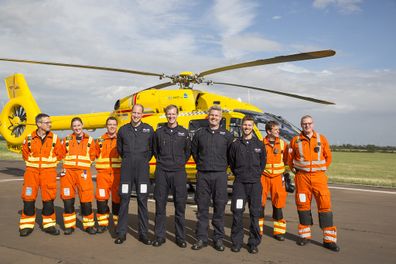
point(304, 117)
point(76, 119)
point(214, 107)
point(40, 116)
point(271, 124)
point(171, 106)
point(140, 105)
point(111, 118)
point(247, 118)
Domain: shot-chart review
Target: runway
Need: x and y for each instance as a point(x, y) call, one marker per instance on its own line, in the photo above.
point(364, 218)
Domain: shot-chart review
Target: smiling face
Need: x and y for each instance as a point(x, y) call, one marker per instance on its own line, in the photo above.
point(307, 125)
point(273, 133)
point(44, 125)
point(214, 118)
point(171, 116)
point(247, 128)
point(77, 128)
point(137, 113)
point(111, 127)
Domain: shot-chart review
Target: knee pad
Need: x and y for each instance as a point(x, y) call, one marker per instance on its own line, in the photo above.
point(48, 208)
point(115, 208)
point(277, 213)
point(325, 219)
point(102, 207)
point(69, 206)
point(305, 217)
point(86, 209)
point(29, 208)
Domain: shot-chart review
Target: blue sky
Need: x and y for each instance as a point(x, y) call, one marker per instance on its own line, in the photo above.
point(172, 36)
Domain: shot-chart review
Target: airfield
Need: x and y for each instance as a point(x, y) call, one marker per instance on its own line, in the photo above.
point(364, 218)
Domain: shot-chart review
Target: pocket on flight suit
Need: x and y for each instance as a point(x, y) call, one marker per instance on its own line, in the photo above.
point(50, 192)
point(324, 203)
point(86, 194)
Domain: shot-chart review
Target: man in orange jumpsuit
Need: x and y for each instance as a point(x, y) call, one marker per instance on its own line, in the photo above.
point(80, 151)
point(108, 164)
point(272, 178)
point(309, 158)
point(41, 151)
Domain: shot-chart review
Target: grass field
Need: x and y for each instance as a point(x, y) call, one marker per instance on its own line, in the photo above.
point(375, 169)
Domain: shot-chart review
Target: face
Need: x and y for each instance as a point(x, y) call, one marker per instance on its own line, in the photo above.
point(44, 124)
point(77, 128)
point(214, 118)
point(307, 125)
point(171, 116)
point(247, 127)
point(111, 127)
point(137, 113)
point(274, 132)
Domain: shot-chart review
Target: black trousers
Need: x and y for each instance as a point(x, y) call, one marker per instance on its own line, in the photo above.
point(242, 193)
point(176, 182)
point(211, 186)
point(142, 189)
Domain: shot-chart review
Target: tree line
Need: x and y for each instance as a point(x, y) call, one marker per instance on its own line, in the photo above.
point(363, 148)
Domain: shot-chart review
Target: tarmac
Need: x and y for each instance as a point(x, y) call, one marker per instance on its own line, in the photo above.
point(364, 216)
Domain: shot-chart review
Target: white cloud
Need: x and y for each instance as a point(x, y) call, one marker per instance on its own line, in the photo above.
point(344, 6)
point(276, 17)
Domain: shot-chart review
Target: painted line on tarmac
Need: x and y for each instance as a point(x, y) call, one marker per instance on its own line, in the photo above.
point(9, 180)
point(361, 190)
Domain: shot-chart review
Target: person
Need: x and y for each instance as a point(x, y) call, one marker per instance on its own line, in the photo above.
point(41, 151)
point(247, 158)
point(80, 151)
point(209, 149)
point(309, 158)
point(135, 146)
point(272, 179)
point(108, 164)
point(172, 149)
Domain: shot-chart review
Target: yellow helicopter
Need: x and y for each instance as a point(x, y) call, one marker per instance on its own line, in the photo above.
point(17, 119)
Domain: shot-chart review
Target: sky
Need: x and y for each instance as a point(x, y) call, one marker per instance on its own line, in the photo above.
point(170, 36)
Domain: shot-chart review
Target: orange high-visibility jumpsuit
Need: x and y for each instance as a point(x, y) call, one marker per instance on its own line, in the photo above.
point(273, 182)
point(108, 165)
point(76, 175)
point(41, 158)
point(311, 157)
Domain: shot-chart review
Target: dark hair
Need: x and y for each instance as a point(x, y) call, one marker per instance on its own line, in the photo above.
point(247, 118)
point(171, 106)
point(270, 124)
point(76, 119)
point(111, 118)
point(40, 116)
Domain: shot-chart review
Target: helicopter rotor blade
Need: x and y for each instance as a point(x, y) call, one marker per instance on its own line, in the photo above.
point(85, 67)
point(159, 86)
point(279, 59)
point(276, 92)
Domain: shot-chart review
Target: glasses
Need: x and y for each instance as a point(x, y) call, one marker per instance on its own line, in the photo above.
point(306, 124)
point(46, 123)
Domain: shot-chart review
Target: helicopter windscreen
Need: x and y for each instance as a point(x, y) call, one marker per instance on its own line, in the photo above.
point(287, 129)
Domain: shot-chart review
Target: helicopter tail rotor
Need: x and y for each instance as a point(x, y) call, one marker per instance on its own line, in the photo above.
point(17, 119)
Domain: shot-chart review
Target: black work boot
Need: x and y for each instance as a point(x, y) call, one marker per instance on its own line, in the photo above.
point(332, 246)
point(25, 232)
point(101, 229)
point(301, 241)
point(279, 237)
point(199, 245)
point(68, 231)
point(52, 230)
point(91, 230)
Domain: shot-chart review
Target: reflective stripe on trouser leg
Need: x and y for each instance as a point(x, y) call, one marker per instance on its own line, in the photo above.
point(280, 227)
point(304, 231)
point(103, 219)
point(261, 225)
point(115, 219)
point(49, 220)
point(69, 220)
point(27, 221)
point(330, 234)
point(88, 221)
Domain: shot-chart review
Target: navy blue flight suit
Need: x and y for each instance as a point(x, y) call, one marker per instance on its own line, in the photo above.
point(209, 149)
point(247, 160)
point(134, 144)
point(172, 149)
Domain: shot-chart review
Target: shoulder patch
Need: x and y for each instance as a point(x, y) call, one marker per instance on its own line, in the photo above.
point(181, 134)
point(146, 130)
point(222, 133)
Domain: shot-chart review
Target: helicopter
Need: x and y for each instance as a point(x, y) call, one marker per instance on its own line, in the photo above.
point(17, 119)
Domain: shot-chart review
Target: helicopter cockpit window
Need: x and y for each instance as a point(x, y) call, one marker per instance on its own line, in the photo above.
point(235, 127)
point(194, 125)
